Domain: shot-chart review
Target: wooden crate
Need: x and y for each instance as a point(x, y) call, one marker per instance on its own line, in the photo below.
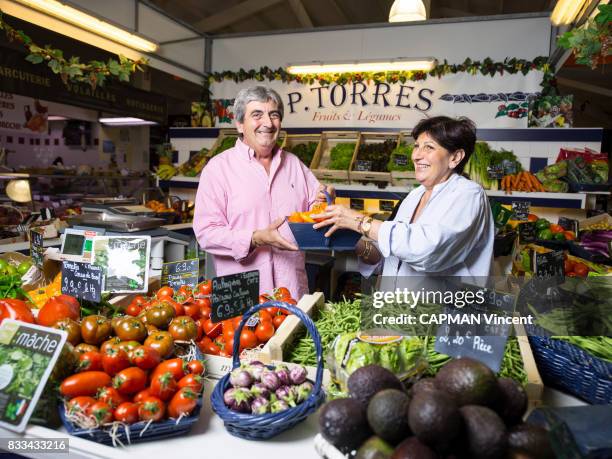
point(320, 162)
point(272, 351)
point(534, 387)
point(368, 176)
point(292, 140)
point(399, 178)
point(223, 133)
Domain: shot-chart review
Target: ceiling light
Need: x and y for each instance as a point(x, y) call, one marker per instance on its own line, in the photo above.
point(388, 65)
point(566, 11)
point(125, 121)
point(91, 23)
point(407, 10)
point(56, 118)
point(19, 190)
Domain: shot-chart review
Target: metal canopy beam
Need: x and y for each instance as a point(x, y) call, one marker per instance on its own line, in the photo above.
point(584, 86)
point(300, 12)
point(233, 14)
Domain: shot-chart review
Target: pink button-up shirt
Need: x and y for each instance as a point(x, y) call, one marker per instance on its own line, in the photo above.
point(236, 197)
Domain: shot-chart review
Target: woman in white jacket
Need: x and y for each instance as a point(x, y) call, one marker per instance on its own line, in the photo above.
point(445, 226)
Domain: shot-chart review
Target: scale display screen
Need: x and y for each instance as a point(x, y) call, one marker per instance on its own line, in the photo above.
point(73, 244)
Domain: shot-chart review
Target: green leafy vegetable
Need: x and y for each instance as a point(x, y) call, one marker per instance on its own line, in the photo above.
point(341, 156)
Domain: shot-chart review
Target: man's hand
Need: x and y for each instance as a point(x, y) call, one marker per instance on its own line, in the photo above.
point(321, 195)
point(270, 236)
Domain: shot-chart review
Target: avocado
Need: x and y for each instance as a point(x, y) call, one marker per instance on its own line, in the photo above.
point(532, 440)
point(469, 381)
point(343, 423)
point(434, 417)
point(512, 401)
point(388, 415)
point(375, 448)
point(366, 381)
point(412, 448)
point(485, 432)
point(422, 384)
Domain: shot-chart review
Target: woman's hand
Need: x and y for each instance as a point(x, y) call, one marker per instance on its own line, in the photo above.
point(338, 217)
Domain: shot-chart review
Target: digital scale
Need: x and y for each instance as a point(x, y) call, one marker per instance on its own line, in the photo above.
point(77, 244)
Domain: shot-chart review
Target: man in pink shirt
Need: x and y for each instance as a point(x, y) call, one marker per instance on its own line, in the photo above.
point(246, 193)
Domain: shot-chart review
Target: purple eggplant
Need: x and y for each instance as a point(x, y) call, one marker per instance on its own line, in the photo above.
point(228, 397)
point(241, 378)
point(256, 368)
point(283, 376)
point(270, 380)
point(286, 394)
point(297, 375)
point(303, 391)
point(260, 406)
point(278, 406)
point(260, 390)
point(242, 400)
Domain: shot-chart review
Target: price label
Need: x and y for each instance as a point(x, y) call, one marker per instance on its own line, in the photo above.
point(569, 224)
point(521, 210)
point(180, 273)
point(232, 295)
point(357, 204)
point(527, 232)
point(36, 247)
point(82, 280)
point(386, 206)
point(509, 167)
point(496, 172)
point(400, 160)
point(549, 268)
point(483, 342)
point(363, 166)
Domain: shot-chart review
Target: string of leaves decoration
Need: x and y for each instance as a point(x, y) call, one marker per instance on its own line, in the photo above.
point(95, 73)
point(591, 41)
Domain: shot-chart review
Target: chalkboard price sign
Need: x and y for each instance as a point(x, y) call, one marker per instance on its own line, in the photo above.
point(527, 232)
point(386, 206)
point(363, 166)
point(521, 210)
point(549, 267)
point(82, 280)
point(180, 273)
point(569, 224)
point(232, 295)
point(357, 204)
point(36, 247)
point(496, 172)
point(400, 160)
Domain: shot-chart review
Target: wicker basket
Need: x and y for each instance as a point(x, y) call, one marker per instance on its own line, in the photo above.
point(264, 426)
point(573, 370)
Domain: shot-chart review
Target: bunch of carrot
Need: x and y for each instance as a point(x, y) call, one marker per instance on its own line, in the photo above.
point(523, 181)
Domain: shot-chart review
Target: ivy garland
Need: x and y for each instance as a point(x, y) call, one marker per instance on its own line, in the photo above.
point(95, 73)
point(485, 67)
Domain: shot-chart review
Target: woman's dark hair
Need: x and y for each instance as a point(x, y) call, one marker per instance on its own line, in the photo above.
point(452, 134)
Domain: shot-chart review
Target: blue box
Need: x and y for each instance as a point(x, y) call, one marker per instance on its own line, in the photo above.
point(309, 238)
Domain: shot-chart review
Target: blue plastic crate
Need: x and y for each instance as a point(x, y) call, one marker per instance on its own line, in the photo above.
point(309, 238)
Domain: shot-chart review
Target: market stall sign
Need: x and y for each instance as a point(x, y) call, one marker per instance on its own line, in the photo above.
point(363, 165)
point(232, 295)
point(496, 171)
point(549, 268)
point(527, 232)
point(17, 76)
point(82, 280)
point(28, 354)
point(521, 210)
point(179, 273)
point(569, 224)
point(357, 204)
point(482, 342)
point(36, 247)
point(124, 261)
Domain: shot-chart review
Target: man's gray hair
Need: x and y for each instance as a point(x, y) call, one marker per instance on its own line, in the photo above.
point(255, 94)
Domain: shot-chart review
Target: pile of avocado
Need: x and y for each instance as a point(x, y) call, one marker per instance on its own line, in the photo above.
point(464, 412)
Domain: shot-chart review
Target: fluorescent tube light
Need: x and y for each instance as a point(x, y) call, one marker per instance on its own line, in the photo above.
point(566, 11)
point(125, 121)
point(389, 65)
point(56, 118)
point(91, 23)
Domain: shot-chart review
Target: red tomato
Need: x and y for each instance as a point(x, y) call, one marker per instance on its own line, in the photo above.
point(145, 357)
point(163, 385)
point(264, 316)
point(264, 331)
point(569, 235)
point(102, 412)
point(139, 300)
point(568, 266)
point(556, 228)
point(211, 329)
point(211, 348)
point(130, 380)
point(140, 396)
point(151, 408)
point(90, 361)
point(248, 339)
point(183, 403)
point(127, 412)
point(114, 359)
point(80, 404)
point(273, 311)
point(59, 307)
point(195, 367)
point(165, 292)
point(192, 381)
point(86, 383)
point(205, 288)
point(264, 298)
point(532, 218)
point(581, 270)
point(192, 310)
point(15, 309)
point(278, 320)
point(177, 367)
point(282, 294)
point(291, 301)
point(179, 310)
point(236, 321)
point(133, 309)
point(111, 396)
